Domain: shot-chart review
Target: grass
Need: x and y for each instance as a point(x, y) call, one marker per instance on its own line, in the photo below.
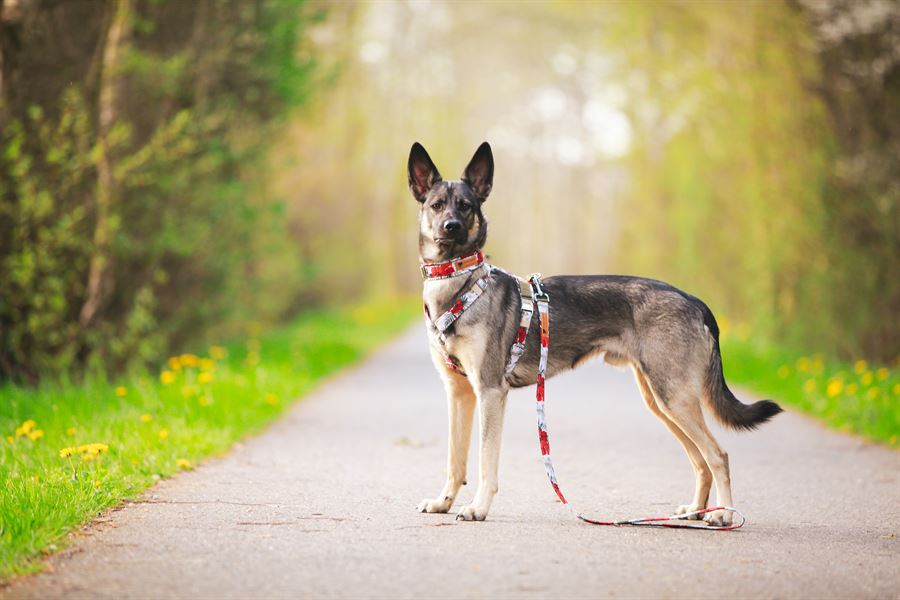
point(853, 396)
point(122, 436)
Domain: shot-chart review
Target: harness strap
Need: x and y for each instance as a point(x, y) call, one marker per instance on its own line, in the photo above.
point(453, 268)
point(518, 347)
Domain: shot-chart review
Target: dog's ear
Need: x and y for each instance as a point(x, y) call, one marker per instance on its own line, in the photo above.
point(480, 172)
point(422, 172)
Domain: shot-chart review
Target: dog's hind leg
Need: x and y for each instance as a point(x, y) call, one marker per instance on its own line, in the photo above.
point(682, 407)
point(491, 406)
point(702, 474)
point(461, 408)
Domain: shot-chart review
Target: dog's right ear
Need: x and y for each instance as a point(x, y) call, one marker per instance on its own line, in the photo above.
point(422, 172)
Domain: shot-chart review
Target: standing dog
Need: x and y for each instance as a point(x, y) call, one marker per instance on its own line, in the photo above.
point(669, 338)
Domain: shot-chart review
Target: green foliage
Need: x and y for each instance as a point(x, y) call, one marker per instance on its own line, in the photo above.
point(198, 90)
point(153, 429)
point(855, 397)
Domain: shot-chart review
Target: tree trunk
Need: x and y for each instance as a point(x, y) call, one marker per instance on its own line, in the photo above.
point(99, 282)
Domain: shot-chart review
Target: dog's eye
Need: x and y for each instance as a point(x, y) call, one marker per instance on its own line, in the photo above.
point(438, 205)
point(465, 206)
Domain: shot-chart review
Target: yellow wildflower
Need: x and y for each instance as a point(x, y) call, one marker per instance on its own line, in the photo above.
point(163, 434)
point(882, 373)
point(784, 371)
point(860, 366)
point(146, 418)
point(835, 386)
point(10, 439)
point(189, 360)
point(36, 435)
point(851, 389)
point(167, 377)
point(218, 352)
point(25, 428)
point(71, 431)
point(183, 463)
point(134, 462)
point(66, 452)
point(271, 399)
point(872, 393)
point(866, 378)
point(809, 386)
point(121, 391)
point(88, 457)
point(897, 389)
point(189, 390)
point(205, 377)
point(94, 449)
point(207, 364)
point(803, 364)
point(97, 484)
point(203, 401)
point(174, 363)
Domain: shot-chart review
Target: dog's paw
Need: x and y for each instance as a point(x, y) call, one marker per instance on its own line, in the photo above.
point(471, 513)
point(689, 508)
point(438, 505)
point(718, 518)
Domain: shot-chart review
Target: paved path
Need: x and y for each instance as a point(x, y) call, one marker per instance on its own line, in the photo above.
point(321, 506)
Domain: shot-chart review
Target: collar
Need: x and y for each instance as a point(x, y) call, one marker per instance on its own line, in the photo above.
point(453, 267)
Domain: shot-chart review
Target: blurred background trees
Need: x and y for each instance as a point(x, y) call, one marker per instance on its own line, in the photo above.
point(176, 170)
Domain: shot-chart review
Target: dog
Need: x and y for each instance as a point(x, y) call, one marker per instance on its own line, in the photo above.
point(668, 338)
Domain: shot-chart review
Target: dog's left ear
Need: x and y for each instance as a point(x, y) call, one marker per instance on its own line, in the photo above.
point(480, 172)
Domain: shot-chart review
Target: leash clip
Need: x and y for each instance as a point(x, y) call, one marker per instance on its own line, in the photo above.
point(539, 294)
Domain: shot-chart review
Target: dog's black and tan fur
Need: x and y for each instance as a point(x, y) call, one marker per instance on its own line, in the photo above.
point(669, 338)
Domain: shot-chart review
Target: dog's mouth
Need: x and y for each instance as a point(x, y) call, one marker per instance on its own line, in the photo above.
point(445, 241)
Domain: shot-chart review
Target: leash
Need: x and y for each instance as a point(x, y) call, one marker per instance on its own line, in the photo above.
point(532, 293)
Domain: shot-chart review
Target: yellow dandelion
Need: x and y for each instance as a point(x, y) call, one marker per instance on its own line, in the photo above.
point(66, 452)
point(851, 389)
point(146, 418)
point(10, 439)
point(174, 363)
point(183, 463)
point(134, 462)
point(88, 457)
point(97, 485)
point(71, 431)
point(203, 401)
point(121, 391)
point(835, 386)
point(189, 360)
point(784, 371)
point(873, 393)
point(163, 434)
point(866, 378)
point(205, 377)
point(809, 386)
point(803, 364)
point(882, 373)
point(25, 428)
point(167, 377)
point(271, 399)
point(218, 352)
point(897, 389)
point(860, 366)
point(36, 435)
point(207, 364)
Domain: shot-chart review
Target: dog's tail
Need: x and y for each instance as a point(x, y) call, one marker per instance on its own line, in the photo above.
point(728, 409)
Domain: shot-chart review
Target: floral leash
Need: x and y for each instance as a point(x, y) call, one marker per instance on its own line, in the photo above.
point(532, 293)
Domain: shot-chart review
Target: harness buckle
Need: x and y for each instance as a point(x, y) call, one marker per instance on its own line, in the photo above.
point(539, 294)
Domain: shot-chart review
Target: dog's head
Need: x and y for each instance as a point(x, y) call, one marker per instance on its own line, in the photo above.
point(450, 219)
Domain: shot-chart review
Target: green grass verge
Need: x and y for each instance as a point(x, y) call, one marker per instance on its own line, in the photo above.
point(125, 435)
point(854, 397)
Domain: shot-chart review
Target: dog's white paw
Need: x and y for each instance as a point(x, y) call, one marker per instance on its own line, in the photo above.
point(718, 518)
point(438, 505)
point(471, 513)
point(689, 508)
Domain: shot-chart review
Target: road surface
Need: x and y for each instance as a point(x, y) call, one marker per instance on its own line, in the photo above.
point(322, 506)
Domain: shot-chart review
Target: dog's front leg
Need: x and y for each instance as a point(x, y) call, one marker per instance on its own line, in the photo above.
point(491, 406)
point(461, 406)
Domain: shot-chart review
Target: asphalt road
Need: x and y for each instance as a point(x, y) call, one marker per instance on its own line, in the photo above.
point(322, 505)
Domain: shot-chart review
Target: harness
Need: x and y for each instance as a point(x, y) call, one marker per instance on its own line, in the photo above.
point(532, 293)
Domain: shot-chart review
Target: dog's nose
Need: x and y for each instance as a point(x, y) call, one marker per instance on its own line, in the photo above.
point(452, 225)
